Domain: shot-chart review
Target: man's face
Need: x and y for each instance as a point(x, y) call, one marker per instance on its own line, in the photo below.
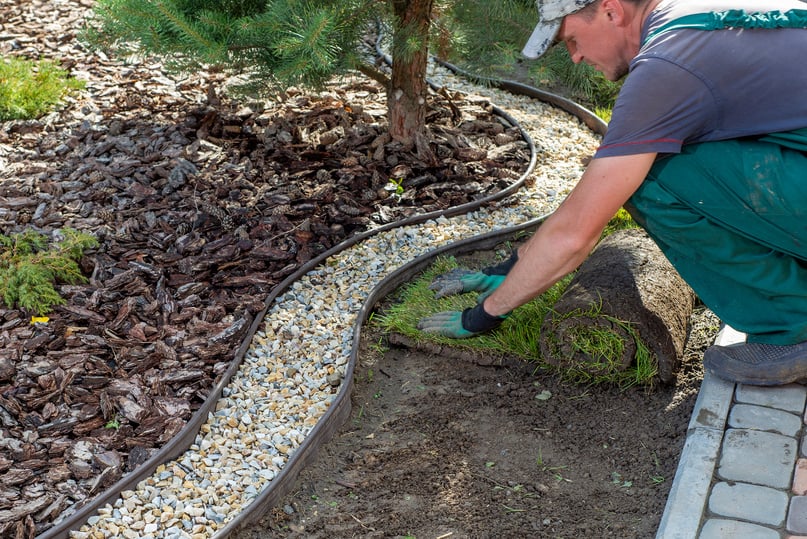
point(594, 37)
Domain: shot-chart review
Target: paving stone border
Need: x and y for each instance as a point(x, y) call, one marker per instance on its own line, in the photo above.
point(742, 472)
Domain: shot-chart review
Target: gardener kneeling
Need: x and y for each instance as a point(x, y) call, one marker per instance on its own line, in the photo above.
point(706, 148)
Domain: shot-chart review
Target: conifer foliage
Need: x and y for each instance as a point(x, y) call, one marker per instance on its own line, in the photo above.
point(30, 266)
point(280, 43)
point(286, 42)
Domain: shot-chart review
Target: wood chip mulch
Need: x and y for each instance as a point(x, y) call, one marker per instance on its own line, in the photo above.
point(201, 206)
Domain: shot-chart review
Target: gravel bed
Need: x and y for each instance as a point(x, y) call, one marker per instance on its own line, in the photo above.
point(294, 367)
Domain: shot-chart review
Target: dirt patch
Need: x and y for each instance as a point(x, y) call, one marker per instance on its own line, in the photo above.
point(446, 447)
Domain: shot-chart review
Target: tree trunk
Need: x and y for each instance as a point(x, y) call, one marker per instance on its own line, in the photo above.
point(629, 277)
point(407, 93)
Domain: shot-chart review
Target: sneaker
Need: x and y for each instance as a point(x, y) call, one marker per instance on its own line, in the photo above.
point(758, 364)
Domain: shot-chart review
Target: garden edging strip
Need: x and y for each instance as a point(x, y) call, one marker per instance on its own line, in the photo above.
point(180, 443)
point(339, 408)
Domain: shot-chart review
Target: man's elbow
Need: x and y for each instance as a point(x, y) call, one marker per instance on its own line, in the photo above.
point(577, 246)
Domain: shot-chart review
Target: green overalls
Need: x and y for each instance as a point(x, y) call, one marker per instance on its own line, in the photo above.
point(731, 216)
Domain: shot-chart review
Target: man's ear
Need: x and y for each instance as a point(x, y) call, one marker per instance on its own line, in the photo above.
point(614, 11)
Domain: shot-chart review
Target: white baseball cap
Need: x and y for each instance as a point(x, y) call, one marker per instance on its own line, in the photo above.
point(551, 13)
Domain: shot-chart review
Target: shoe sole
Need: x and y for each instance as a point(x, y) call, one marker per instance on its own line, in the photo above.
point(760, 374)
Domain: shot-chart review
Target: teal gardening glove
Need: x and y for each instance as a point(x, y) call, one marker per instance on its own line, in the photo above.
point(459, 281)
point(473, 320)
point(461, 325)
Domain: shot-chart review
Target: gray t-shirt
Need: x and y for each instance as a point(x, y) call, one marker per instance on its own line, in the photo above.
point(687, 86)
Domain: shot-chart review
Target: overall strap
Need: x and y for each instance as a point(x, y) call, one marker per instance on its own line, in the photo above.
point(734, 18)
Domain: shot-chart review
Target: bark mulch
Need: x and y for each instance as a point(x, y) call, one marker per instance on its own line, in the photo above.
point(201, 206)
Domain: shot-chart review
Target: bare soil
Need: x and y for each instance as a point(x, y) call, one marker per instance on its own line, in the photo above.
point(438, 448)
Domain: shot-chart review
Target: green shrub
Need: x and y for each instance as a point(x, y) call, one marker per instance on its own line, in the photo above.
point(29, 268)
point(31, 89)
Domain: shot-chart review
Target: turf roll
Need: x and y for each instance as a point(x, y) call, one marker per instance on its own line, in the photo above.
point(625, 300)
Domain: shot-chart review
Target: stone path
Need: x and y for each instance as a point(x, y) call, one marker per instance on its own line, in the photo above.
point(743, 469)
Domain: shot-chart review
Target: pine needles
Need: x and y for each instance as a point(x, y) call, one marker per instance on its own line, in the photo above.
point(484, 37)
point(271, 44)
point(29, 268)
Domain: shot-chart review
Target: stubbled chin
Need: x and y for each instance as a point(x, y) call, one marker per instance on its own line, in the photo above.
point(614, 76)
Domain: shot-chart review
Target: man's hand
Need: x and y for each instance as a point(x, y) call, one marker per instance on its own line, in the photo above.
point(460, 325)
point(460, 280)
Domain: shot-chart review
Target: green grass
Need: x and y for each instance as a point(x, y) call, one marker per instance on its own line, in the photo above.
point(417, 301)
point(520, 335)
point(620, 221)
point(605, 348)
point(29, 89)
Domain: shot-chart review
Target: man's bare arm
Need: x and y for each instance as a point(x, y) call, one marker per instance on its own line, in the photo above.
point(566, 238)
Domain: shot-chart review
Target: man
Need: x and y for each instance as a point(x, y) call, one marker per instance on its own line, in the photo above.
point(707, 149)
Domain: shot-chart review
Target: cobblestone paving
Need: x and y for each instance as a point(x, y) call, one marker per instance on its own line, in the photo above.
point(743, 470)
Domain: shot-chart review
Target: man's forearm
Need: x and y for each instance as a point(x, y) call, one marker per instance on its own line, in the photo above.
point(542, 261)
point(567, 236)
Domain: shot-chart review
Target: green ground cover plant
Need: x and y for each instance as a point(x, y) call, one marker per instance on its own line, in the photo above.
point(29, 89)
point(30, 266)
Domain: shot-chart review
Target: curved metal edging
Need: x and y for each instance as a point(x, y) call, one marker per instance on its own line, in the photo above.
point(592, 121)
point(339, 411)
point(339, 408)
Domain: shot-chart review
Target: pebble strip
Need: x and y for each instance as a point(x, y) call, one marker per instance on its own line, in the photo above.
point(286, 381)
